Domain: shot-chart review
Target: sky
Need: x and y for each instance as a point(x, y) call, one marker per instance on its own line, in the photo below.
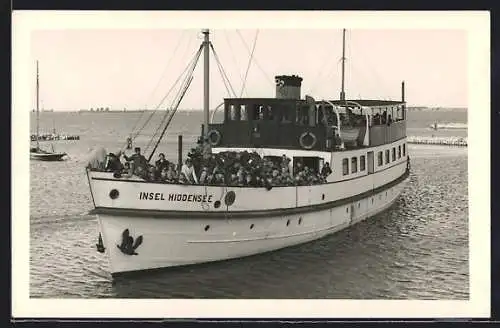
point(131, 68)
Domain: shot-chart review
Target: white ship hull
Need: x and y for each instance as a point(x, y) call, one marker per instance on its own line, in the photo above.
point(188, 224)
point(169, 242)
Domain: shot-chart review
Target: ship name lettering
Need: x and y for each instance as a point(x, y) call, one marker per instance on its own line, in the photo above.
point(151, 196)
point(197, 198)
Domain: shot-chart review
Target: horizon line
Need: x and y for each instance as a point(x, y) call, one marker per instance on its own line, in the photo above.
point(200, 110)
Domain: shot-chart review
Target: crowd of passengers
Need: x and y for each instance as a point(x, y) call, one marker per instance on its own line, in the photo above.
point(225, 168)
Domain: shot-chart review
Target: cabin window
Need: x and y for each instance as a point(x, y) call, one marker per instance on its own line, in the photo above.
point(243, 113)
point(270, 113)
point(262, 113)
point(354, 165)
point(258, 112)
point(387, 156)
point(320, 117)
point(362, 163)
point(380, 159)
point(404, 150)
point(285, 117)
point(345, 166)
point(399, 151)
point(393, 154)
point(302, 117)
point(232, 112)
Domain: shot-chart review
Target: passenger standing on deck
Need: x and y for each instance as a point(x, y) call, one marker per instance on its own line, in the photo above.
point(113, 163)
point(188, 171)
point(204, 175)
point(137, 159)
point(206, 149)
point(161, 163)
point(326, 170)
point(128, 171)
point(298, 168)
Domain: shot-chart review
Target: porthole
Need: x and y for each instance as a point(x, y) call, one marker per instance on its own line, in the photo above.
point(287, 223)
point(323, 197)
point(207, 227)
point(251, 226)
point(113, 194)
point(300, 220)
point(217, 204)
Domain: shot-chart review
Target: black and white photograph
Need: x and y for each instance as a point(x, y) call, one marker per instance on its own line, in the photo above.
point(267, 158)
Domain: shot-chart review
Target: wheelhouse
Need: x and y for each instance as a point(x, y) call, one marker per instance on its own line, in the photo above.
point(289, 122)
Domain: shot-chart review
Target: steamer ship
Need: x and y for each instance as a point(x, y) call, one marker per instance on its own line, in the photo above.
point(149, 225)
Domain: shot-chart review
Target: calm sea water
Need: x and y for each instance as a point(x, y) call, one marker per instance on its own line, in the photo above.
point(418, 249)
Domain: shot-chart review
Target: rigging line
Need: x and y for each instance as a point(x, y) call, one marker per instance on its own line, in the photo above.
point(326, 63)
point(222, 71)
point(174, 110)
point(159, 81)
point(171, 116)
point(194, 60)
point(193, 64)
point(255, 60)
point(224, 80)
point(188, 46)
point(320, 74)
point(167, 66)
point(169, 91)
point(168, 113)
point(371, 71)
point(234, 58)
point(249, 62)
point(331, 74)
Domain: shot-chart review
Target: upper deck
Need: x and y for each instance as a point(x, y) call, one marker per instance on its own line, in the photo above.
point(288, 122)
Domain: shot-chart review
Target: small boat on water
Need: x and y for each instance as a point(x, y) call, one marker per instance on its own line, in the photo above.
point(361, 145)
point(42, 155)
point(36, 153)
point(448, 126)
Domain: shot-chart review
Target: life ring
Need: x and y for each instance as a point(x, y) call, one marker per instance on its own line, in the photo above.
point(303, 144)
point(211, 133)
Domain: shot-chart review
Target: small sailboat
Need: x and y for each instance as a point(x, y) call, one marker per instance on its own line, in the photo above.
point(36, 153)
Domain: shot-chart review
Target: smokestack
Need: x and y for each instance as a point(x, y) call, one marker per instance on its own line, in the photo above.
point(288, 87)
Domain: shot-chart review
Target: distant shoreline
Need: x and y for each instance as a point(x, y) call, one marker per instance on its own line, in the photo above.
point(409, 108)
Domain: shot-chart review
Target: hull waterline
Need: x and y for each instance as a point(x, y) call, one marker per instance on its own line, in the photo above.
point(174, 242)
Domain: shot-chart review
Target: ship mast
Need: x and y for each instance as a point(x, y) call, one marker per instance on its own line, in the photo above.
point(342, 91)
point(37, 106)
point(206, 80)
